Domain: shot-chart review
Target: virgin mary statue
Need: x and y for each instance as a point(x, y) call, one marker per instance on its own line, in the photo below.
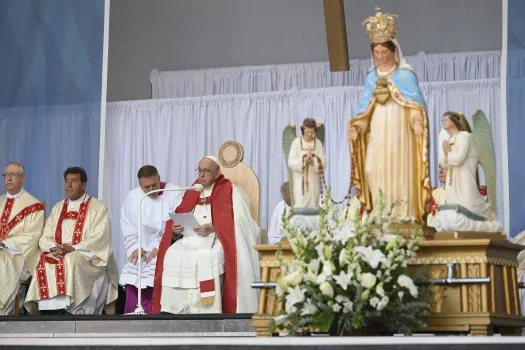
point(389, 133)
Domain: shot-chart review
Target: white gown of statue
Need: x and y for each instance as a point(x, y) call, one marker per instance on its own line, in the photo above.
point(462, 189)
point(306, 183)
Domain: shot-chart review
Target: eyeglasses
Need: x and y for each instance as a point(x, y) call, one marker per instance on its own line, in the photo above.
point(204, 171)
point(13, 174)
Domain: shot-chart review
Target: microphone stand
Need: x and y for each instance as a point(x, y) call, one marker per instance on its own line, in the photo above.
point(140, 310)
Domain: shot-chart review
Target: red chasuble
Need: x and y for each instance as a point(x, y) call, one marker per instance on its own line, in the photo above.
point(223, 221)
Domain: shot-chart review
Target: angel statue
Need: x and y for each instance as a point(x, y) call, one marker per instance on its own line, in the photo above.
point(389, 133)
point(465, 208)
point(306, 162)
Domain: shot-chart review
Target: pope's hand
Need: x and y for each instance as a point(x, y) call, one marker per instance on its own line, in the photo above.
point(418, 129)
point(176, 228)
point(204, 230)
point(354, 133)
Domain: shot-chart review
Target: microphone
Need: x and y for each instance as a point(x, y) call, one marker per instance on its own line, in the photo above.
point(197, 187)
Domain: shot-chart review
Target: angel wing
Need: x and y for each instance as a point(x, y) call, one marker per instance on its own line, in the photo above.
point(289, 134)
point(320, 132)
point(483, 141)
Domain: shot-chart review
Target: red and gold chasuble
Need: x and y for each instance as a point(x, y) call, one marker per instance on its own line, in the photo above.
point(60, 269)
point(5, 225)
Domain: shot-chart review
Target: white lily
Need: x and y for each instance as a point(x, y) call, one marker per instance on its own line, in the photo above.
point(345, 232)
point(372, 256)
point(295, 295)
point(343, 279)
point(309, 308)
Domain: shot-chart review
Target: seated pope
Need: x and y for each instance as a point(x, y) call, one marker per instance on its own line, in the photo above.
point(76, 273)
point(209, 268)
point(21, 226)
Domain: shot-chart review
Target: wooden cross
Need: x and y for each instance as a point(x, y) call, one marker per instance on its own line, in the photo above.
point(334, 15)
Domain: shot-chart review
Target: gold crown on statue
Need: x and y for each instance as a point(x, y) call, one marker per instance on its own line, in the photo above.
point(381, 27)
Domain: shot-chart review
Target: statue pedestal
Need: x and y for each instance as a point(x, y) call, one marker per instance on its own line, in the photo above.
point(476, 309)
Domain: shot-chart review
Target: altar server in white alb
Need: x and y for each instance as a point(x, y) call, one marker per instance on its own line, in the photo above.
point(155, 208)
point(21, 224)
point(76, 273)
point(275, 231)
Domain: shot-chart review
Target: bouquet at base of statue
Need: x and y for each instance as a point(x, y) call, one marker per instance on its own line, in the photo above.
point(351, 273)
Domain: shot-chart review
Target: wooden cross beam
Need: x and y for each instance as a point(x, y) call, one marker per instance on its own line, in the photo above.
point(334, 15)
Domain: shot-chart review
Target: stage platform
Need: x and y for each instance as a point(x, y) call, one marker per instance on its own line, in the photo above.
point(215, 325)
point(219, 332)
point(129, 341)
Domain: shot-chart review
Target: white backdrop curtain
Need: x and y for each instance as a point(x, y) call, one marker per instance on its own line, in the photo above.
point(250, 79)
point(173, 134)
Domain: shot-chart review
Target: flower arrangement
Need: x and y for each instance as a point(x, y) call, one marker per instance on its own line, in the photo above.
point(350, 273)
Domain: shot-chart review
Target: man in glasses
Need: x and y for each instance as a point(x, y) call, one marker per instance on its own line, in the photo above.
point(76, 273)
point(21, 224)
point(155, 209)
point(210, 271)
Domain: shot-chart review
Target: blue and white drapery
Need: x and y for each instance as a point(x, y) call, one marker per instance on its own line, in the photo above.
point(50, 102)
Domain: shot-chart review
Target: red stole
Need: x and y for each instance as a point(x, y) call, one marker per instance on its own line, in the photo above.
point(5, 225)
point(223, 222)
point(60, 269)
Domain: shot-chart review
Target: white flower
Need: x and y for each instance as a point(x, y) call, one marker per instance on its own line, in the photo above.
point(280, 319)
point(327, 269)
point(309, 308)
point(345, 232)
point(295, 296)
point(387, 237)
point(400, 294)
point(313, 266)
point(368, 280)
point(327, 290)
point(374, 301)
point(320, 251)
point(341, 299)
point(343, 259)
point(406, 282)
point(348, 305)
point(336, 307)
point(278, 290)
point(289, 307)
point(379, 290)
point(383, 303)
point(372, 256)
point(294, 278)
point(343, 279)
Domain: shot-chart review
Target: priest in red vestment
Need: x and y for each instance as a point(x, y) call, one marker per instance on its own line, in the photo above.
point(209, 268)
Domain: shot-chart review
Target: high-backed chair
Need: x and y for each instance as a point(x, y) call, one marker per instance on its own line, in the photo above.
point(231, 155)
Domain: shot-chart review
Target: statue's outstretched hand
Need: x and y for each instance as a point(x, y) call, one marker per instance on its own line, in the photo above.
point(354, 133)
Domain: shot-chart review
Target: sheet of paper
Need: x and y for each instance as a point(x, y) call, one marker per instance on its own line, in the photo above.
point(186, 220)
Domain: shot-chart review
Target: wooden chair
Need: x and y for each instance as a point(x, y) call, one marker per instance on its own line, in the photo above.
point(231, 155)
